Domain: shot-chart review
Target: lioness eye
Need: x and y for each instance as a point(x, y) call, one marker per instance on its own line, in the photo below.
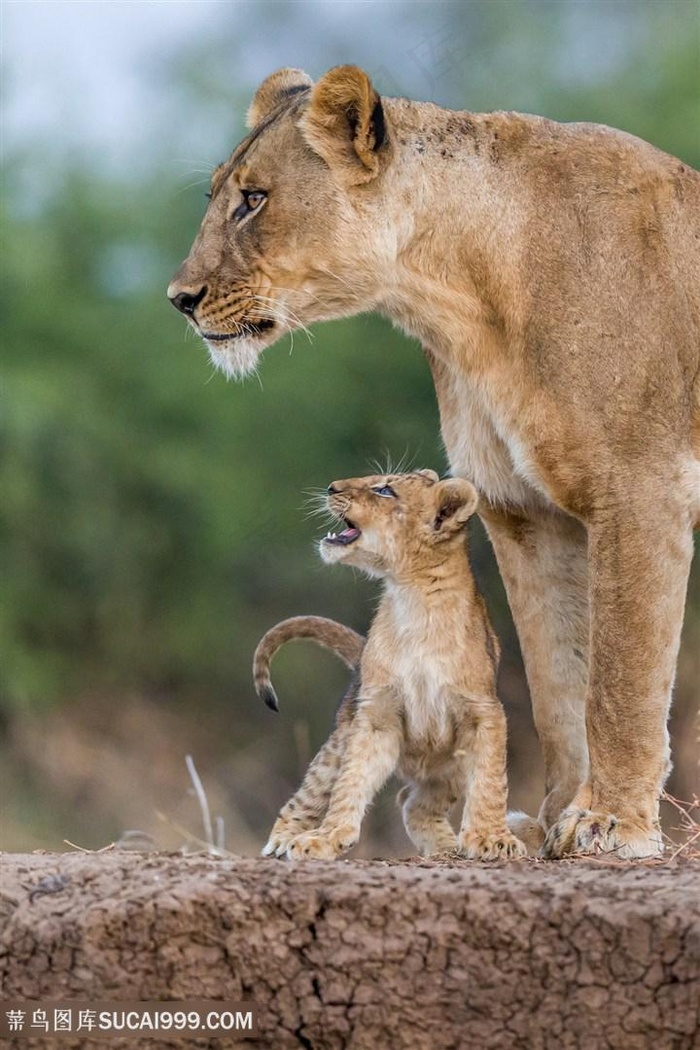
point(385, 490)
point(252, 199)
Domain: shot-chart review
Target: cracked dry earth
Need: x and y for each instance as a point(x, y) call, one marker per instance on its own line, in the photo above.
point(358, 954)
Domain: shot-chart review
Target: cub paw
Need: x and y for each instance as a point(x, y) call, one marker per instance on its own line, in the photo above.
point(442, 854)
point(580, 831)
point(434, 846)
point(439, 850)
point(322, 845)
point(281, 835)
point(476, 845)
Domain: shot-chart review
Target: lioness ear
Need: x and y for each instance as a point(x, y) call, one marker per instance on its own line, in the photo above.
point(344, 124)
point(274, 90)
point(457, 501)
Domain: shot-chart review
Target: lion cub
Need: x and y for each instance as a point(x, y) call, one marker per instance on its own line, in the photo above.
point(424, 701)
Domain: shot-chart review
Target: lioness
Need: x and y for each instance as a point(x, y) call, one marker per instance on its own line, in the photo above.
point(426, 698)
point(552, 273)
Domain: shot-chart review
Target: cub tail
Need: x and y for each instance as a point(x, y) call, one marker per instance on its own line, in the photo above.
point(341, 640)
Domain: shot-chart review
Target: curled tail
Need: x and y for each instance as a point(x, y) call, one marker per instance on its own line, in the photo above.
point(341, 640)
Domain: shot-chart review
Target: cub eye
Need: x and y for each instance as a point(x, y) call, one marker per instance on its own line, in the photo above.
point(384, 490)
point(252, 200)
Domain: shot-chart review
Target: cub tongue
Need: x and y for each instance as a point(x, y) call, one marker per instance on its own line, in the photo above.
point(348, 535)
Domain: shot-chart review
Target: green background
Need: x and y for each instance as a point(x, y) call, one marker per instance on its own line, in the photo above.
point(155, 517)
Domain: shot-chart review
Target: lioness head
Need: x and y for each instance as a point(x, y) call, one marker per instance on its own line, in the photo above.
point(396, 525)
point(294, 231)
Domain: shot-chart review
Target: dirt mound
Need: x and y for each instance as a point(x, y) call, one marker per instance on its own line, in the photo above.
point(360, 954)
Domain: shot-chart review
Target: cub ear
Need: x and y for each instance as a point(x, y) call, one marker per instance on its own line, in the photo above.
point(274, 90)
point(429, 474)
point(457, 501)
point(345, 125)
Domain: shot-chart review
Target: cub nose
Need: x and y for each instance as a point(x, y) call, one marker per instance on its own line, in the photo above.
point(186, 301)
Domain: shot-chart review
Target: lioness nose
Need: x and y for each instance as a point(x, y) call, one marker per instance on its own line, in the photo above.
point(186, 301)
point(333, 487)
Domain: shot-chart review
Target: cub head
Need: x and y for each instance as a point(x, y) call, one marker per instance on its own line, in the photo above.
point(294, 231)
point(397, 525)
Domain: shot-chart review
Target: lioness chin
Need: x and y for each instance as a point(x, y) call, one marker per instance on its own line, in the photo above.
point(552, 274)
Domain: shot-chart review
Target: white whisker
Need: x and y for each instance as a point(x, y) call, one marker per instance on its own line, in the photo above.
point(191, 185)
point(206, 169)
point(282, 314)
point(341, 280)
point(305, 294)
point(320, 509)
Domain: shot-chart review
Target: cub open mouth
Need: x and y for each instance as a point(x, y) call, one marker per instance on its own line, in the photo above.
point(348, 535)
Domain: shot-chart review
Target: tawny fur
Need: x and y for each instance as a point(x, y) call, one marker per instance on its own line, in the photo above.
point(552, 274)
point(307, 807)
point(425, 702)
point(336, 637)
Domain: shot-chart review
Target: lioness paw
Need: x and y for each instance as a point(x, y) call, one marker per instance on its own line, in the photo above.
point(582, 831)
point(321, 844)
point(476, 845)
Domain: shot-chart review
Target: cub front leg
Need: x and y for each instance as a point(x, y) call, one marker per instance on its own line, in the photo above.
point(640, 553)
point(307, 808)
point(370, 756)
point(484, 834)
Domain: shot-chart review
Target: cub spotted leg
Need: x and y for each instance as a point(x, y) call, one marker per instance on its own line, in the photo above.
point(484, 834)
point(424, 808)
point(307, 808)
point(640, 554)
point(370, 756)
point(543, 562)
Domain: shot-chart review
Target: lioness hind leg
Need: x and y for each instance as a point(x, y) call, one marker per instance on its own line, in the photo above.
point(424, 808)
point(544, 564)
point(307, 807)
point(640, 561)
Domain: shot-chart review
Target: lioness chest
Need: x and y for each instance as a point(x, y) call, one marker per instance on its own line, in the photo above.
point(483, 443)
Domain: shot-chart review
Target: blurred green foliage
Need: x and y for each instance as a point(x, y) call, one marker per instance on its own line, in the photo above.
point(155, 520)
point(153, 515)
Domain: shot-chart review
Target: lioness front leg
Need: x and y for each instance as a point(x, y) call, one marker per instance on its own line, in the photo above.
point(307, 807)
point(640, 549)
point(369, 758)
point(543, 561)
point(484, 834)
